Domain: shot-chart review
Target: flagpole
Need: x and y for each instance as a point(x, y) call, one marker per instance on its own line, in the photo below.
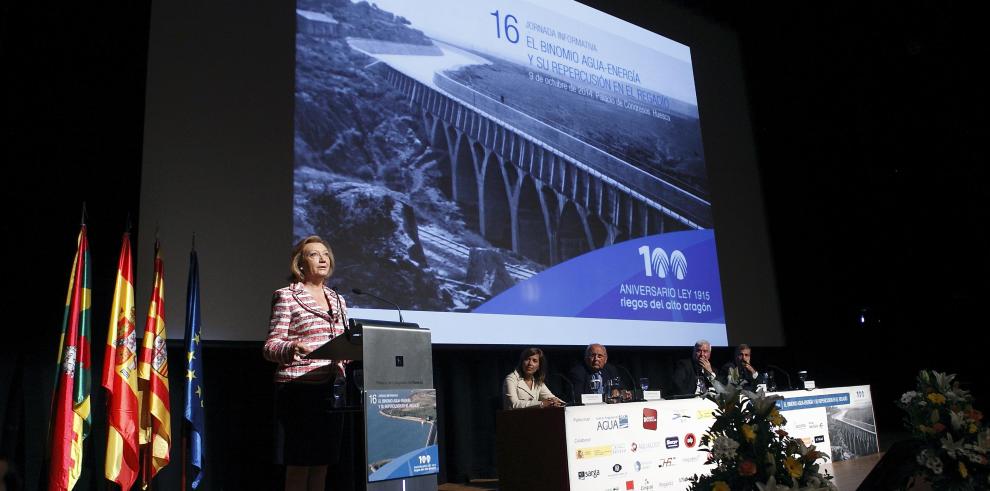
point(184, 443)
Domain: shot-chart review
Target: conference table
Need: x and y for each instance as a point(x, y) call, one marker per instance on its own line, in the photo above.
point(652, 445)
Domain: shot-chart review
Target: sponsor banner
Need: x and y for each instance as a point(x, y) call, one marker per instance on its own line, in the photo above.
point(642, 443)
point(657, 444)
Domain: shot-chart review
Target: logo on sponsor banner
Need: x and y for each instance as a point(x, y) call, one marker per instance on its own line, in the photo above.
point(651, 445)
point(665, 484)
point(690, 440)
point(649, 419)
point(637, 466)
point(680, 417)
point(630, 485)
point(672, 442)
point(819, 438)
point(616, 468)
point(704, 414)
point(692, 458)
point(645, 485)
point(592, 452)
point(667, 462)
point(617, 423)
point(633, 447)
point(592, 474)
point(642, 464)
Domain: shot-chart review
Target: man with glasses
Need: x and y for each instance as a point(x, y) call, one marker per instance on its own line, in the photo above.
point(695, 375)
point(596, 376)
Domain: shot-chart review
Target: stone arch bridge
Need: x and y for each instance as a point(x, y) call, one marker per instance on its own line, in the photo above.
point(531, 188)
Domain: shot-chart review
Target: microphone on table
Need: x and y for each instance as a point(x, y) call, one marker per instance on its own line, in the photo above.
point(789, 386)
point(358, 291)
point(631, 380)
point(570, 386)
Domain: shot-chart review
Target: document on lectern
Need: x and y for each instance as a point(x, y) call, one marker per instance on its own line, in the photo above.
point(402, 433)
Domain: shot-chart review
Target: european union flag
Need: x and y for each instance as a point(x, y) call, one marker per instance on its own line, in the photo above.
point(194, 373)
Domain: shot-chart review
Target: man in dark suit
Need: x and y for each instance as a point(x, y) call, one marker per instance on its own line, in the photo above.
point(739, 371)
point(694, 375)
point(595, 374)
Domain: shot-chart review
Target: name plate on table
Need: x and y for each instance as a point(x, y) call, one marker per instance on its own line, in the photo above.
point(809, 384)
point(589, 399)
point(652, 395)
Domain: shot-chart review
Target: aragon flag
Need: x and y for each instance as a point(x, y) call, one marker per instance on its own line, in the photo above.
point(156, 420)
point(120, 378)
point(70, 404)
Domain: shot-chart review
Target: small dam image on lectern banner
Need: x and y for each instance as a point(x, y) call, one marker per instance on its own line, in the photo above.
point(463, 157)
point(402, 433)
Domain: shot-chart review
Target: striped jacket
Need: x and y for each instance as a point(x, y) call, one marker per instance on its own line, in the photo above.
point(296, 316)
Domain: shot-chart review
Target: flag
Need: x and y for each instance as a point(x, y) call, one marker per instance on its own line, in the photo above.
point(120, 378)
point(194, 372)
point(70, 403)
point(156, 425)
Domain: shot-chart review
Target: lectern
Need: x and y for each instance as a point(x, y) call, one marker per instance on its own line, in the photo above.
point(399, 401)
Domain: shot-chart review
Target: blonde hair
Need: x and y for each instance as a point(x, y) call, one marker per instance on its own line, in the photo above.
point(295, 267)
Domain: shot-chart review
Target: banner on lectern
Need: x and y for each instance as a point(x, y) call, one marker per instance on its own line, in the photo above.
point(401, 433)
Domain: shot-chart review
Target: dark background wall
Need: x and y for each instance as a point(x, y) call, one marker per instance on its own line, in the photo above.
point(870, 126)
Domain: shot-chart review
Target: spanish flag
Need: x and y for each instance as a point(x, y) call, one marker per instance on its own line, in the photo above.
point(156, 426)
point(120, 378)
point(70, 404)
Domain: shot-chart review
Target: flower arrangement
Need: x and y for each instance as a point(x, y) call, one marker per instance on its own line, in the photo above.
point(954, 444)
point(751, 450)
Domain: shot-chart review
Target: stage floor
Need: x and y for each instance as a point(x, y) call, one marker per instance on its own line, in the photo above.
point(848, 476)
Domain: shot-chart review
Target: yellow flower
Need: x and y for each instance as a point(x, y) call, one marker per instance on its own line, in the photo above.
point(794, 468)
point(962, 470)
point(748, 432)
point(775, 418)
point(936, 398)
point(720, 486)
point(972, 428)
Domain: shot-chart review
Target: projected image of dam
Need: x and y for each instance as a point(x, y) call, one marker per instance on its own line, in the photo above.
point(543, 160)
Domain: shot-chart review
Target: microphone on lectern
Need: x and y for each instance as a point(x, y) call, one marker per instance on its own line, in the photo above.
point(358, 291)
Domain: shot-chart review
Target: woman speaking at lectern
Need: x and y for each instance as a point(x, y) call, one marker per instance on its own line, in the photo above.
point(305, 315)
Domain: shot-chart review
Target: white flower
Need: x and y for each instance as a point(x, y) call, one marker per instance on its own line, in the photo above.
point(957, 395)
point(953, 447)
point(983, 440)
point(943, 381)
point(772, 485)
point(958, 419)
point(934, 464)
point(908, 396)
point(724, 448)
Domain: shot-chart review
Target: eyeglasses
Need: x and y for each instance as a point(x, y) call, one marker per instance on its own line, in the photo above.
point(317, 255)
